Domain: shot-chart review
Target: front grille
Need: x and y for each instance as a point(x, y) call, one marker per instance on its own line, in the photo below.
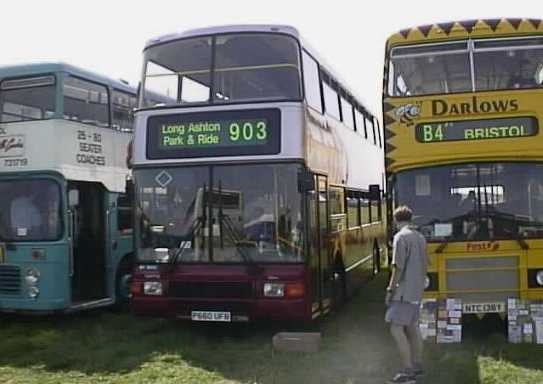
point(211, 290)
point(10, 279)
point(497, 274)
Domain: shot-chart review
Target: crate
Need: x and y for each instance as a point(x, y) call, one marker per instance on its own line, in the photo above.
point(297, 342)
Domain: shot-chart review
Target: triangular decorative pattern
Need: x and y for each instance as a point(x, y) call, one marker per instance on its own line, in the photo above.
point(492, 23)
point(446, 27)
point(515, 22)
point(425, 29)
point(468, 25)
point(389, 120)
point(387, 107)
point(389, 134)
point(535, 23)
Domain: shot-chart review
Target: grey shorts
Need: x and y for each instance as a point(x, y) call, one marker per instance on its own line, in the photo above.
point(402, 313)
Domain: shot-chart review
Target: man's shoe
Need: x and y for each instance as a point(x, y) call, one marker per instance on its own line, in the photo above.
point(403, 377)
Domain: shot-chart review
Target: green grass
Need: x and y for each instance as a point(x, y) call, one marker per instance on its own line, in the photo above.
point(106, 347)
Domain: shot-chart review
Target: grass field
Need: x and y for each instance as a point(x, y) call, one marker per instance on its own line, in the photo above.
point(107, 347)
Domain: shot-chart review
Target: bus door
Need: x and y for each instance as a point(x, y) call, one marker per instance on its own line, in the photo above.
point(319, 228)
point(88, 234)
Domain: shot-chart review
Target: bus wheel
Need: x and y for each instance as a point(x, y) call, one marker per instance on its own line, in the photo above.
point(340, 283)
point(376, 260)
point(122, 284)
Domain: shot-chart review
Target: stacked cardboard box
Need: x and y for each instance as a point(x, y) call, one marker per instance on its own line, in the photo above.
point(428, 320)
point(536, 310)
point(525, 321)
point(449, 321)
point(441, 320)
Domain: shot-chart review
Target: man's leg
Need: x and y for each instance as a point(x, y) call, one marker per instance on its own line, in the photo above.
point(399, 334)
point(415, 344)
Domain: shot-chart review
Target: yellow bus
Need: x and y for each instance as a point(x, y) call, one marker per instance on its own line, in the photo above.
point(462, 103)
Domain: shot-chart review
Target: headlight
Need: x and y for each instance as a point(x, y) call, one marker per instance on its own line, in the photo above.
point(152, 288)
point(274, 290)
point(33, 272)
point(33, 292)
point(539, 277)
point(32, 276)
point(161, 255)
point(31, 280)
point(426, 282)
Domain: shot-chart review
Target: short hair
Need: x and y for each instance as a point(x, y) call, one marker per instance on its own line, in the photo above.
point(403, 213)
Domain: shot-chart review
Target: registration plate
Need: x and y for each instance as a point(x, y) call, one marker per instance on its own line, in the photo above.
point(211, 316)
point(494, 307)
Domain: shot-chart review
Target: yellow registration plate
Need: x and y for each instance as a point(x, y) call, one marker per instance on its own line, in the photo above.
point(494, 307)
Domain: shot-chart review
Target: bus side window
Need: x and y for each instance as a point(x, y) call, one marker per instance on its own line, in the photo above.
point(365, 213)
point(378, 129)
point(331, 101)
point(86, 102)
point(353, 212)
point(372, 129)
point(366, 126)
point(123, 105)
point(336, 206)
point(124, 214)
point(312, 82)
point(347, 113)
point(360, 124)
point(375, 212)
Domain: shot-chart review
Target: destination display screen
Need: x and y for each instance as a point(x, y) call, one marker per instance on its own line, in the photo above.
point(209, 134)
point(468, 130)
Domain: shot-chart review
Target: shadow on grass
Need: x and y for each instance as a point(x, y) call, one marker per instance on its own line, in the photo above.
point(357, 348)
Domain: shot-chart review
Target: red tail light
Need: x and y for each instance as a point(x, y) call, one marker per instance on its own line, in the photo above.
point(136, 288)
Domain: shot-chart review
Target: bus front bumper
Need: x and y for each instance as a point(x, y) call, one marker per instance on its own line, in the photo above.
point(231, 310)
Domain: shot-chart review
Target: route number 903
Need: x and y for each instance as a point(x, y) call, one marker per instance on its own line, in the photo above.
point(248, 131)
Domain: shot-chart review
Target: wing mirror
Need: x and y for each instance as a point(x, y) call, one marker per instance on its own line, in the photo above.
point(73, 198)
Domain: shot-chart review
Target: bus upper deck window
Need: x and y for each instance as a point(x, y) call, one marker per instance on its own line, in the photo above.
point(256, 67)
point(180, 70)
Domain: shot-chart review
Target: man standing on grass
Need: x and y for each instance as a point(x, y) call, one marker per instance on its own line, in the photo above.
point(404, 294)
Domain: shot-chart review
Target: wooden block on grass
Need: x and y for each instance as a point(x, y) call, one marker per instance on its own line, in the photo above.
point(297, 341)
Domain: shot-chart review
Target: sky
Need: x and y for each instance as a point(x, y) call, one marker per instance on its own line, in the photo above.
point(108, 36)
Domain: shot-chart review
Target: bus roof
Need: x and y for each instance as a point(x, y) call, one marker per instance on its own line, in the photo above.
point(286, 29)
point(467, 28)
point(271, 28)
point(58, 66)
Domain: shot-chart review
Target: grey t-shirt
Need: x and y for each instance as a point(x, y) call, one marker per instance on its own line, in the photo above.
point(409, 257)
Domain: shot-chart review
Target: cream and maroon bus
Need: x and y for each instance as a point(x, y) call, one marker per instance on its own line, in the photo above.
point(258, 188)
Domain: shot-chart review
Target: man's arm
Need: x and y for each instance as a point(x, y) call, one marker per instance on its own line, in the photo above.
point(394, 277)
point(398, 263)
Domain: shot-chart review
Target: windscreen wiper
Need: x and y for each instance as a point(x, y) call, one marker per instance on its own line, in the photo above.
point(443, 245)
point(196, 226)
point(234, 237)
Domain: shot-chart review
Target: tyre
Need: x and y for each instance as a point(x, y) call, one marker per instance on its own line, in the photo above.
point(122, 284)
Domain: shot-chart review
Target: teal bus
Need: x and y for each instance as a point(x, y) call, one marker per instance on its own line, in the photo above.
point(66, 241)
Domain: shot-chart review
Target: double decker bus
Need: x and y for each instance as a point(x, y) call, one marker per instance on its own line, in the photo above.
point(462, 106)
point(66, 239)
point(258, 188)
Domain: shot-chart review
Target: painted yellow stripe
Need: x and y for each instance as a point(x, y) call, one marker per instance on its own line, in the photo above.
point(481, 269)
